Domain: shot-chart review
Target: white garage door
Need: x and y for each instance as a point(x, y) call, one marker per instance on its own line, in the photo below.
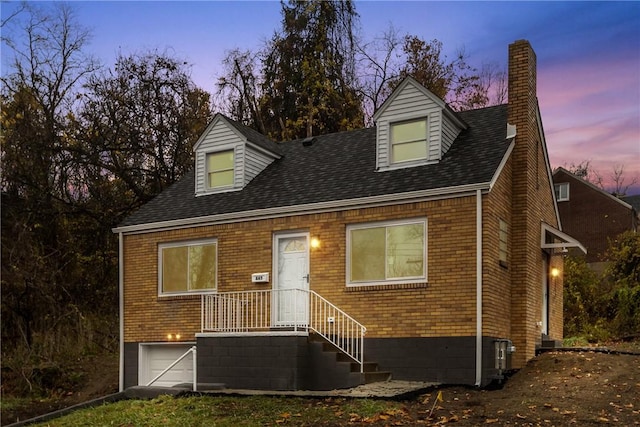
point(155, 358)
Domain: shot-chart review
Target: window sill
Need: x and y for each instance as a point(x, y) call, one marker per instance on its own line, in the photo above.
point(185, 296)
point(385, 287)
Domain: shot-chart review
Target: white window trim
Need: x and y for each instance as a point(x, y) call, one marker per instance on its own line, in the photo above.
point(162, 246)
point(402, 280)
point(221, 188)
point(559, 193)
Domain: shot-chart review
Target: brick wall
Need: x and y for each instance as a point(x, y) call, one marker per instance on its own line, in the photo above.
point(496, 298)
point(591, 216)
point(532, 203)
point(445, 306)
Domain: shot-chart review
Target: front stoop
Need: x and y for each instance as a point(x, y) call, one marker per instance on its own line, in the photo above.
point(338, 370)
point(548, 344)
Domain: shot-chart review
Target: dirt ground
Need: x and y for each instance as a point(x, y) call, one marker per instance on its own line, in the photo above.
point(555, 389)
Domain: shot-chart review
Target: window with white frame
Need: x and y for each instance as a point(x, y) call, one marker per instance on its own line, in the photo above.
point(409, 140)
point(220, 169)
point(188, 267)
point(504, 243)
point(389, 252)
point(562, 191)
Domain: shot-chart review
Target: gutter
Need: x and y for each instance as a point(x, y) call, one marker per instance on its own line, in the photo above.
point(478, 288)
point(121, 307)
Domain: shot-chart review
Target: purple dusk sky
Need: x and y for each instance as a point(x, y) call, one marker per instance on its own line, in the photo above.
point(588, 54)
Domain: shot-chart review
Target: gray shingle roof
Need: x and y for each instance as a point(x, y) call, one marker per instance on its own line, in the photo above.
point(340, 166)
point(255, 136)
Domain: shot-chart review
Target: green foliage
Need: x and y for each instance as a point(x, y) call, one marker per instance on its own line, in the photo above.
point(582, 298)
point(623, 272)
point(601, 307)
point(81, 148)
point(308, 86)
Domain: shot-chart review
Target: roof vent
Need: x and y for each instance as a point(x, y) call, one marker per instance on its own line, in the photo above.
point(308, 142)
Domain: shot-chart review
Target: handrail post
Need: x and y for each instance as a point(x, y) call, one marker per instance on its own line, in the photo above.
point(194, 353)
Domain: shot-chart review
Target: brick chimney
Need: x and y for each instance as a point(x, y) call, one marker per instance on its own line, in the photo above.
point(532, 202)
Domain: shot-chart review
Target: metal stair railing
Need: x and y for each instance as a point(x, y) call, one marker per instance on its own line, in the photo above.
point(296, 309)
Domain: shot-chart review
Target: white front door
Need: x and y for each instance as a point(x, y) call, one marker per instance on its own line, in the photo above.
point(291, 270)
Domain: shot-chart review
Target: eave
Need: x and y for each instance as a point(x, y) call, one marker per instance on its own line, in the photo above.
point(310, 208)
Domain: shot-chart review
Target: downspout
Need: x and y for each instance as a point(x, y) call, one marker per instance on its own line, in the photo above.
point(121, 308)
point(478, 288)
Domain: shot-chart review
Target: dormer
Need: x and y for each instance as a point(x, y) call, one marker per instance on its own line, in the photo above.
point(229, 155)
point(414, 127)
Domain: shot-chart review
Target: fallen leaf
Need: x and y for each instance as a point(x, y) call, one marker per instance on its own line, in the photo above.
point(522, 417)
point(491, 420)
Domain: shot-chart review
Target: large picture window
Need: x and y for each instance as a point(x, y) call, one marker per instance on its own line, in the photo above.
point(386, 252)
point(409, 140)
point(220, 169)
point(188, 267)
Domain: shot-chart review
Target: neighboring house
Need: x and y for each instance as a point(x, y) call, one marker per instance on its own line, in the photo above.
point(425, 244)
point(634, 201)
point(591, 215)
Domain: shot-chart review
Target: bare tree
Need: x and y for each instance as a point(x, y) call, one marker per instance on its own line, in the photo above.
point(620, 184)
point(239, 91)
point(379, 64)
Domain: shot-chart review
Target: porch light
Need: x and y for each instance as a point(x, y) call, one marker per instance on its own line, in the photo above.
point(315, 242)
point(169, 337)
point(555, 272)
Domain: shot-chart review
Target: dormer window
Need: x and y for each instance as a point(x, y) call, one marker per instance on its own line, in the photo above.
point(409, 140)
point(220, 169)
point(414, 128)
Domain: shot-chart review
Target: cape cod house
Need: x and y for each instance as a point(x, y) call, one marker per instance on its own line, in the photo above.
point(425, 248)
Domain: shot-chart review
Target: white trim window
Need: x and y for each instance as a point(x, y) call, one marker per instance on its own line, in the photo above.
point(387, 252)
point(562, 191)
point(220, 169)
point(187, 267)
point(409, 140)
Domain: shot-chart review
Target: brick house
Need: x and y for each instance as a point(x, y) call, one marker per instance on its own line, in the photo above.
point(591, 215)
point(421, 249)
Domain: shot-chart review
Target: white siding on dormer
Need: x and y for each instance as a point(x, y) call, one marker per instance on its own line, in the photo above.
point(449, 134)
point(255, 162)
point(220, 137)
point(410, 103)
